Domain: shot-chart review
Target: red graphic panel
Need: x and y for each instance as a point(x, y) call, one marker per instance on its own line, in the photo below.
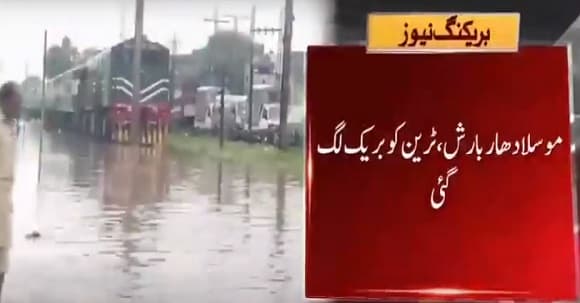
point(439, 176)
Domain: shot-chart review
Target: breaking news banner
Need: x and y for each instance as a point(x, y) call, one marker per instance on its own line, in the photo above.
point(444, 176)
point(440, 32)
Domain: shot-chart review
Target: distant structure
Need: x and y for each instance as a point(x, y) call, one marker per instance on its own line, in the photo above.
point(298, 78)
point(189, 68)
point(264, 70)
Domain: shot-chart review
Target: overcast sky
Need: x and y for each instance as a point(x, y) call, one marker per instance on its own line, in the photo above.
point(101, 23)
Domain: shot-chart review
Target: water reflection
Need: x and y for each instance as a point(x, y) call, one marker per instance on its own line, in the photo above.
point(280, 205)
point(219, 184)
point(134, 180)
point(122, 224)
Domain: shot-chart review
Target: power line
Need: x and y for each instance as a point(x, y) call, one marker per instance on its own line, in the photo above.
point(266, 30)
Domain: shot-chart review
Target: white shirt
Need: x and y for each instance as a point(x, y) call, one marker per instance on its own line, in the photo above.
point(8, 135)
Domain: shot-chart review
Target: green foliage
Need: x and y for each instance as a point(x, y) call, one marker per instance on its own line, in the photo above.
point(31, 82)
point(256, 155)
point(87, 54)
point(60, 58)
point(229, 52)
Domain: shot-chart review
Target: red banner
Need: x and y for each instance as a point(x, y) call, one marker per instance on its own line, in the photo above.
point(439, 176)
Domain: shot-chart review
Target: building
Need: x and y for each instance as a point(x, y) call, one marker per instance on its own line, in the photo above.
point(187, 68)
point(298, 77)
point(264, 71)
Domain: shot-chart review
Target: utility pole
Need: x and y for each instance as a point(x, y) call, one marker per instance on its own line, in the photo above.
point(254, 30)
point(285, 85)
point(174, 45)
point(216, 20)
point(252, 18)
point(235, 19)
point(123, 12)
point(43, 92)
point(222, 106)
point(35, 233)
point(138, 41)
point(251, 67)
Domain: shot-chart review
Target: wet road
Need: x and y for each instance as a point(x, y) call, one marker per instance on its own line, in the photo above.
point(125, 226)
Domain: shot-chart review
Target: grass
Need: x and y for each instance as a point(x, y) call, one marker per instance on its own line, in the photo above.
point(258, 155)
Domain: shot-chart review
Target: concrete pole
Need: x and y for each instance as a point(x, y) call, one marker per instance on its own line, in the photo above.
point(235, 20)
point(215, 18)
point(285, 85)
point(35, 233)
point(222, 107)
point(174, 45)
point(138, 40)
point(42, 105)
point(251, 75)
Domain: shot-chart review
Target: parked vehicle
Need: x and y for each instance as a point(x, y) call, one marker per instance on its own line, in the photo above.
point(205, 99)
point(183, 111)
point(262, 94)
point(234, 114)
point(268, 127)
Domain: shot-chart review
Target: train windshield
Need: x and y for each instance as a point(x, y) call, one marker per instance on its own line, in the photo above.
point(154, 61)
point(155, 66)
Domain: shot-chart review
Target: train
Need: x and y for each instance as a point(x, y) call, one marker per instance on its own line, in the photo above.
point(96, 97)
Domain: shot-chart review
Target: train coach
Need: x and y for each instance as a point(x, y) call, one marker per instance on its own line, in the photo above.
point(97, 96)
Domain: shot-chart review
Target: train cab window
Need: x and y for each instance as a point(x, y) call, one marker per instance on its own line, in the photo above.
point(152, 57)
point(126, 56)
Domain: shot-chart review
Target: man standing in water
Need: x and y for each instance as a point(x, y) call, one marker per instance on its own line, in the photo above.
point(10, 103)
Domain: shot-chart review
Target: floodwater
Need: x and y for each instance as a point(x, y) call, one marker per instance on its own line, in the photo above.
point(121, 225)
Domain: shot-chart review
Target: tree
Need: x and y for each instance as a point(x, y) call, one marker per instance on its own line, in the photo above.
point(229, 52)
point(31, 86)
point(87, 54)
point(60, 58)
point(31, 89)
point(264, 64)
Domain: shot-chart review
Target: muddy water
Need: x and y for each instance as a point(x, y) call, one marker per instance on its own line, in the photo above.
point(121, 225)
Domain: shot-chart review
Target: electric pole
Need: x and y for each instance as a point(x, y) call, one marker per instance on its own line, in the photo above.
point(43, 92)
point(222, 106)
point(215, 20)
point(35, 233)
point(235, 20)
point(174, 46)
point(253, 30)
point(285, 81)
point(123, 12)
point(138, 41)
point(251, 67)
